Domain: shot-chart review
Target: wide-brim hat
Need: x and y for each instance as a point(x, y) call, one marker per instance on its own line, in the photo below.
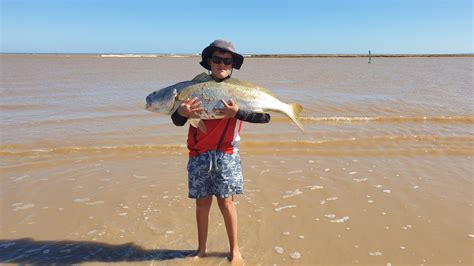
point(221, 45)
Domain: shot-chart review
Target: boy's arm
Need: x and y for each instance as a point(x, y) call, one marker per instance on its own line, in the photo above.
point(252, 117)
point(178, 119)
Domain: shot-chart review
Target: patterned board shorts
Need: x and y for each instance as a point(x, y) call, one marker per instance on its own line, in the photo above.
point(215, 173)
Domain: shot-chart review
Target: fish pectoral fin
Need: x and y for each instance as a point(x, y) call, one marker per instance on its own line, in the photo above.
point(194, 122)
point(198, 123)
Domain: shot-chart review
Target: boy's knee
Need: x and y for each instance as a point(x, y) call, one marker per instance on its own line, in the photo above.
point(204, 203)
point(225, 203)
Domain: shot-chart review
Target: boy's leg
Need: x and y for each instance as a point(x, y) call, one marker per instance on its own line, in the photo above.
point(229, 212)
point(203, 206)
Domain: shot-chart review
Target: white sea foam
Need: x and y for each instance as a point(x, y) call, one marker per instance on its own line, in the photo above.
point(471, 235)
point(375, 253)
point(286, 233)
point(123, 214)
point(284, 207)
point(95, 202)
point(18, 178)
point(353, 173)
point(332, 198)
point(387, 191)
point(330, 216)
point(295, 255)
point(264, 171)
point(360, 179)
point(295, 172)
point(279, 250)
point(341, 220)
point(22, 206)
point(327, 169)
point(290, 194)
point(322, 202)
point(314, 187)
point(81, 200)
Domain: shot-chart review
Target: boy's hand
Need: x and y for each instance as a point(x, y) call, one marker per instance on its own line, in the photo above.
point(230, 109)
point(190, 108)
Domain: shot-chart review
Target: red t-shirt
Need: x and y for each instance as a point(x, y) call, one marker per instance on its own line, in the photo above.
point(222, 135)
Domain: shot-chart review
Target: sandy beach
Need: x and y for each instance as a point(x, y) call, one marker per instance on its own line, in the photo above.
point(382, 174)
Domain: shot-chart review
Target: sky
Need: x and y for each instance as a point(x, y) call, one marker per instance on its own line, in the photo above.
point(254, 26)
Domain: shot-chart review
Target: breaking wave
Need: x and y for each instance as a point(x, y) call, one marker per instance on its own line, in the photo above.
point(384, 119)
point(377, 145)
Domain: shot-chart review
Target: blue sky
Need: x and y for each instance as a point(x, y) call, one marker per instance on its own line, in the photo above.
point(185, 26)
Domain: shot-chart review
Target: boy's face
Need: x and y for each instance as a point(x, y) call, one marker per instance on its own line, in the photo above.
point(220, 70)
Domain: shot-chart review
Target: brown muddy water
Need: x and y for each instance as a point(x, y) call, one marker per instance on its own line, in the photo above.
point(382, 174)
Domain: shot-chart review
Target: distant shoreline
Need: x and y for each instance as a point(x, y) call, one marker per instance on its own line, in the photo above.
point(357, 55)
point(131, 55)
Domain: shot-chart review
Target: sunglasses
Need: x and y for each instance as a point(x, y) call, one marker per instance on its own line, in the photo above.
point(217, 60)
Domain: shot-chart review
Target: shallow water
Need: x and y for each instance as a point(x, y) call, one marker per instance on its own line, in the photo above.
point(381, 174)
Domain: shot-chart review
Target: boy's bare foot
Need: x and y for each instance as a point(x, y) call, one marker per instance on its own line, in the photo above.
point(236, 258)
point(199, 254)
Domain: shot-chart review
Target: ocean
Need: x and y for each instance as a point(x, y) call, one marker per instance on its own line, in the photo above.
point(382, 173)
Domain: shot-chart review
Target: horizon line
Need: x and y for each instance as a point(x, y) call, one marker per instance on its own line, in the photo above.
point(111, 54)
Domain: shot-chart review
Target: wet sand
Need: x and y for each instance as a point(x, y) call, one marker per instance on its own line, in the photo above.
point(382, 173)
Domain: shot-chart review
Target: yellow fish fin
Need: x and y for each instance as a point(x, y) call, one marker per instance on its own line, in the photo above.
point(198, 123)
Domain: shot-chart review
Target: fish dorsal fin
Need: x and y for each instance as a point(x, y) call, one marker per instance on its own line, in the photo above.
point(249, 85)
point(203, 77)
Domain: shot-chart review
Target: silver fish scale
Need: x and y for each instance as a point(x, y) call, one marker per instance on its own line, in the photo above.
point(247, 96)
point(211, 100)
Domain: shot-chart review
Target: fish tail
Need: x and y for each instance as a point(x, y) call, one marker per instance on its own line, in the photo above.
point(295, 110)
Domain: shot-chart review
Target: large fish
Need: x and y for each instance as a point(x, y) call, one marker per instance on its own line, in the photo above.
point(247, 96)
